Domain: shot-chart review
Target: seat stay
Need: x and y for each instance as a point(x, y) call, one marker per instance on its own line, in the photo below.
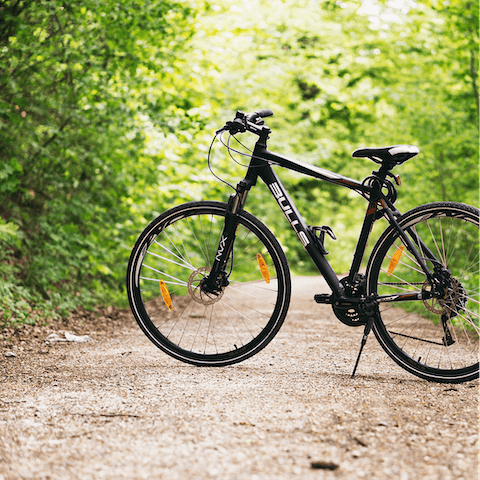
point(409, 243)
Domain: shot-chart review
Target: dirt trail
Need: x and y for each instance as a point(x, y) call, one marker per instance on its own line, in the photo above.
point(118, 408)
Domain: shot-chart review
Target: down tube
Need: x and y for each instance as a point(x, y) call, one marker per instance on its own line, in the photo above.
point(300, 228)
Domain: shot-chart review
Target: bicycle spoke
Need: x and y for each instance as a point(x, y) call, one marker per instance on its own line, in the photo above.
point(183, 264)
point(404, 281)
point(254, 296)
point(210, 329)
point(435, 338)
point(408, 266)
point(467, 319)
point(198, 330)
point(237, 334)
point(164, 274)
point(247, 307)
point(181, 255)
point(195, 325)
point(242, 317)
point(442, 242)
point(458, 236)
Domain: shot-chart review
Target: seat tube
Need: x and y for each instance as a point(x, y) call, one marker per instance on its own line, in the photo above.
point(368, 222)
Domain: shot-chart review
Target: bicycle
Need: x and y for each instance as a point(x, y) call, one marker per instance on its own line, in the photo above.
point(209, 284)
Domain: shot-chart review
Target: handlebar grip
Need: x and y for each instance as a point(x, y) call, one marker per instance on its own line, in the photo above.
point(266, 112)
point(243, 122)
point(255, 116)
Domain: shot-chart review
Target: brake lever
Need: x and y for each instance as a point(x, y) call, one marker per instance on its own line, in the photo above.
point(255, 118)
point(235, 126)
point(221, 130)
point(239, 124)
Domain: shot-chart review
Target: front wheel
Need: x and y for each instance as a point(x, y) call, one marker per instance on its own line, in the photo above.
point(164, 276)
point(434, 337)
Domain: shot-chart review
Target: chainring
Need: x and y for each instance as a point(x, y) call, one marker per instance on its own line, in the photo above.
point(349, 315)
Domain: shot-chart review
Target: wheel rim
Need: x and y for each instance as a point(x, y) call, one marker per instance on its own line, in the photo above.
point(204, 327)
point(437, 336)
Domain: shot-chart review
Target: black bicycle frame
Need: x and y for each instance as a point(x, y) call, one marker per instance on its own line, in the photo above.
point(261, 166)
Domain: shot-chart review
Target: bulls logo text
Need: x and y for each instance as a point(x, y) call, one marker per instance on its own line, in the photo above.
point(288, 212)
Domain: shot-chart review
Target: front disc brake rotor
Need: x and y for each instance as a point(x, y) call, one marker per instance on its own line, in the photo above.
point(195, 288)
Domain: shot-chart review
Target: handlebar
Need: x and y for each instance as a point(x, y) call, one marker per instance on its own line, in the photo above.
point(246, 122)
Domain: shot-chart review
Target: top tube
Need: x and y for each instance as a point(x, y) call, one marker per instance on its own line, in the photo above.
point(311, 170)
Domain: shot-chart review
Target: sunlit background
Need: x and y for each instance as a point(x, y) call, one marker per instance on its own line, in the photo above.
point(107, 111)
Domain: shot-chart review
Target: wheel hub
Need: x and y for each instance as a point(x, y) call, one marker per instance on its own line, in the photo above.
point(195, 282)
point(453, 298)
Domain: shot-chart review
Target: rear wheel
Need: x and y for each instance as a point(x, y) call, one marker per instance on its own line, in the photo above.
point(434, 338)
point(167, 266)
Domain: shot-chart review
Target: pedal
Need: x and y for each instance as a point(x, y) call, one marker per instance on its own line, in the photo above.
point(323, 298)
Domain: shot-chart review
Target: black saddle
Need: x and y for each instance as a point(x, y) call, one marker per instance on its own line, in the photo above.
point(389, 156)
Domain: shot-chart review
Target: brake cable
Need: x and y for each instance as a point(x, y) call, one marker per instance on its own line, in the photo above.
point(209, 162)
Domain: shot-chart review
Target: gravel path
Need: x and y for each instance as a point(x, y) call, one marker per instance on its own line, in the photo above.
point(118, 408)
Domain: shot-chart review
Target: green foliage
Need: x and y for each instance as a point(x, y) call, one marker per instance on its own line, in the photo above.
point(78, 84)
point(107, 112)
point(340, 75)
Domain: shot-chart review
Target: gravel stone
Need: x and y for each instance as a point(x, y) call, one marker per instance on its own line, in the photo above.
point(116, 407)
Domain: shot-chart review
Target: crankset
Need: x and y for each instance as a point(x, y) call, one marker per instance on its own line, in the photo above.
point(355, 310)
point(352, 315)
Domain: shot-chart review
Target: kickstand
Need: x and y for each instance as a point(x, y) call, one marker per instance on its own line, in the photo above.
point(368, 327)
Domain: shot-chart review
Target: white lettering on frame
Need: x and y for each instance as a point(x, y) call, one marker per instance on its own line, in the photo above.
point(288, 212)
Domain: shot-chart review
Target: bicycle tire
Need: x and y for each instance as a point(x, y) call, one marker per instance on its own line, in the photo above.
point(412, 333)
point(178, 248)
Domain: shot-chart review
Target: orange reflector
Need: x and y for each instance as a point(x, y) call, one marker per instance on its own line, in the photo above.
point(165, 295)
point(263, 268)
point(394, 261)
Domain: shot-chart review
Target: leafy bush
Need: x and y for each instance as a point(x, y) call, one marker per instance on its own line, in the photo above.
point(107, 111)
point(77, 84)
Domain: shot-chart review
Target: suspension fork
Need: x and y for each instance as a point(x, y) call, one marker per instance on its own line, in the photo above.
point(217, 278)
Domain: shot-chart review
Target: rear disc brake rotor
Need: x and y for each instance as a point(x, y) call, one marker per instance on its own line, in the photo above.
point(431, 304)
point(454, 300)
